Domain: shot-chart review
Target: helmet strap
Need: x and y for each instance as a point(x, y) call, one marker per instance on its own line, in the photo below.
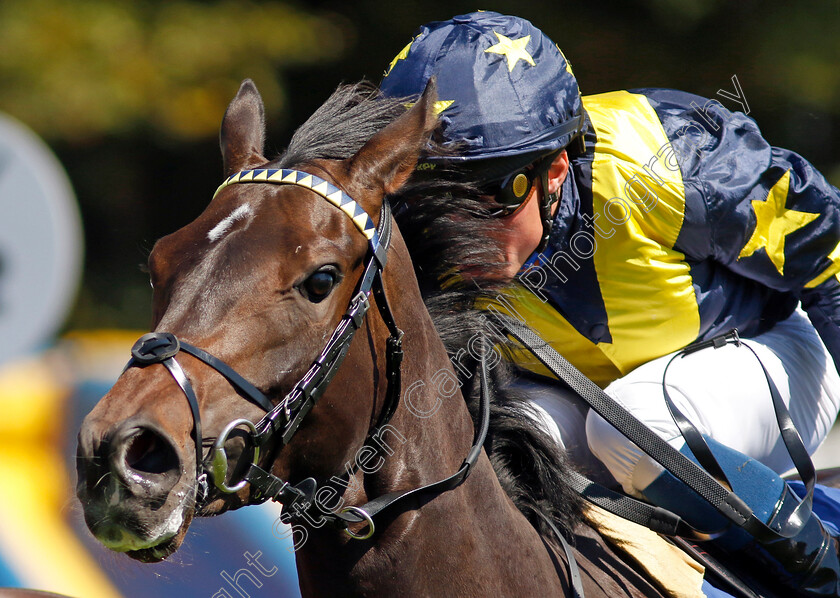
point(578, 145)
point(547, 201)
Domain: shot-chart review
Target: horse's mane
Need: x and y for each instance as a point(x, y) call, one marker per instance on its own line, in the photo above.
point(457, 263)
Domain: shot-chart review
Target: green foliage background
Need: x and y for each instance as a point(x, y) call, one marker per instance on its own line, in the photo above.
point(130, 93)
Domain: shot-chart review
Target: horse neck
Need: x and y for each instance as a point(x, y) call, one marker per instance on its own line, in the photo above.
point(430, 435)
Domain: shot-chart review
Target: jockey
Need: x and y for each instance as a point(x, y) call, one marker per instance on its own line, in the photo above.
point(640, 222)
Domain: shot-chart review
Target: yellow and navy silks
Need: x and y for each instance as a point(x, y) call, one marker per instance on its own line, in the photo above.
point(678, 223)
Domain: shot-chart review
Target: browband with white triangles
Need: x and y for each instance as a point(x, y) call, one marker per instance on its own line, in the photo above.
point(317, 185)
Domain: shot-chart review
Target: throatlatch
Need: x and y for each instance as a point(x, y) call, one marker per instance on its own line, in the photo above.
point(285, 418)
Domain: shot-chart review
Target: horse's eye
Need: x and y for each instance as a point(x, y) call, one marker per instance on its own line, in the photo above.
point(320, 284)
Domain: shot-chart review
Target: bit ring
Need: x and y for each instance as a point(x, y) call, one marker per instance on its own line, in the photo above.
point(219, 464)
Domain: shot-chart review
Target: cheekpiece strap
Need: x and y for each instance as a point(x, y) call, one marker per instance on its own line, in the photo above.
point(162, 347)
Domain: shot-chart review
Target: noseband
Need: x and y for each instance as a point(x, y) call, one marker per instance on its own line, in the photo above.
point(285, 418)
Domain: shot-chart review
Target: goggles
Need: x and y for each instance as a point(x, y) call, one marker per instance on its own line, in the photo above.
point(512, 191)
point(508, 180)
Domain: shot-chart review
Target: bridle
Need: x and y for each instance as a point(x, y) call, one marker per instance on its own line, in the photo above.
point(283, 419)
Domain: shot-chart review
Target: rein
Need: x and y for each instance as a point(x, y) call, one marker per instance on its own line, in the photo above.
point(283, 420)
point(716, 492)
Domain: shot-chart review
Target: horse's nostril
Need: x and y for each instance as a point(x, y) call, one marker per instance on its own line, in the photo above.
point(148, 452)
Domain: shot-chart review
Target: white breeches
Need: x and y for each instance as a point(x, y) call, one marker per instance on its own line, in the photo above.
point(723, 392)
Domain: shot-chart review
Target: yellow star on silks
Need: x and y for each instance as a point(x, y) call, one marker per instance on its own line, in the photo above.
point(774, 222)
point(403, 54)
point(439, 106)
point(512, 49)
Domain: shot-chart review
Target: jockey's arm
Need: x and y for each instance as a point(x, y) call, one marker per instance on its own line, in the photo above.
point(770, 216)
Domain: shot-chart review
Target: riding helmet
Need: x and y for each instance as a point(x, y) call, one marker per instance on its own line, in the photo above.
point(506, 93)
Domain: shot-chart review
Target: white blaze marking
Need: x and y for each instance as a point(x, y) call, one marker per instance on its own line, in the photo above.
point(218, 231)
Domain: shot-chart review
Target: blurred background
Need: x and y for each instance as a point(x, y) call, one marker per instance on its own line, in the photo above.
point(109, 140)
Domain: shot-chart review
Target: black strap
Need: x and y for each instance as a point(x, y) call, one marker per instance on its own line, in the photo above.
point(309, 389)
point(386, 501)
point(267, 486)
point(654, 518)
point(721, 577)
point(266, 482)
point(698, 446)
point(162, 347)
point(237, 381)
point(692, 436)
point(571, 566)
point(722, 499)
point(394, 352)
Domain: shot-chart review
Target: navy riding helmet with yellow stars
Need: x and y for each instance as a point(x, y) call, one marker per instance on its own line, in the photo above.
point(506, 96)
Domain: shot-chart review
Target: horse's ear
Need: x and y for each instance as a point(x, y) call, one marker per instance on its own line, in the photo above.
point(390, 156)
point(243, 130)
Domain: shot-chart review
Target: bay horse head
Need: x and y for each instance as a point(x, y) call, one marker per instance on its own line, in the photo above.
point(260, 311)
point(254, 306)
